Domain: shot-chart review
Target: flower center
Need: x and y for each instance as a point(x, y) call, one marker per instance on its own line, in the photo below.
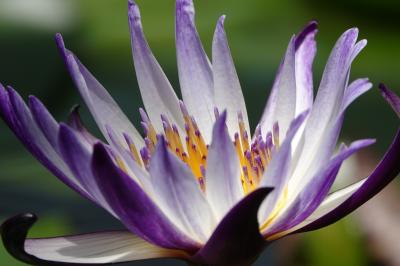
point(254, 156)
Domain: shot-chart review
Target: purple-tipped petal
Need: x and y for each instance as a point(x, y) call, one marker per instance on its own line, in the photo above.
point(102, 106)
point(223, 183)
point(384, 173)
point(306, 49)
point(135, 208)
point(227, 90)
point(302, 92)
point(179, 195)
point(237, 240)
point(195, 72)
point(278, 174)
point(157, 93)
point(20, 120)
point(315, 191)
point(75, 122)
point(99, 248)
point(355, 89)
point(391, 98)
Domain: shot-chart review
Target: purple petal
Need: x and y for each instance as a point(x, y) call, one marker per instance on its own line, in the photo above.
point(195, 72)
point(179, 195)
point(157, 94)
point(223, 183)
point(315, 191)
point(227, 90)
point(75, 122)
point(78, 155)
point(237, 239)
point(136, 210)
point(99, 248)
point(102, 106)
point(20, 120)
point(44, 120)
point(391, 98)
point(384, 173)
point(277, 175)
point(355, 89)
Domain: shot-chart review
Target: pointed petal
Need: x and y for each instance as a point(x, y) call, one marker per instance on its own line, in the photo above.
point(306, 49)
point(20, 120)
point(86, 249)
point(102, 106)
point(355, 89)
point(301, 64)
point(227, 91)
point(315, 191)
point(237, 239)
point(223, 183)
point(391, 98)
point(347, 200)
point(278, 174)
point(44, 120)
point(281, 105)
point(136, 210)
point(157, 94)
point(77, 155)
point(179, 194)
point(195, 72)
point(75, 122)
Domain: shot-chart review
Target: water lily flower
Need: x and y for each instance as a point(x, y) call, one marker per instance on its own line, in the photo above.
point(198, 186)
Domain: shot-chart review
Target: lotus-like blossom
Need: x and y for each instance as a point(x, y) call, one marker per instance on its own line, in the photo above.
point(198, 186)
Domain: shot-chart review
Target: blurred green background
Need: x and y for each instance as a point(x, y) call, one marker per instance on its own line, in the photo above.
point(258, 30)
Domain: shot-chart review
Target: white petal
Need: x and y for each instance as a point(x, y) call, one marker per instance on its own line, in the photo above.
point(100, 103)
point(157, 93)
point(227, 89)
point(195, 72)
point(223, 183)
point(105, 247)
point(179, 195)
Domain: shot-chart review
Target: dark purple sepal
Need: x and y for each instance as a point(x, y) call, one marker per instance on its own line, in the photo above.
point(75, 121)
point(384, 173)
point(237, 240)
point(14, 232)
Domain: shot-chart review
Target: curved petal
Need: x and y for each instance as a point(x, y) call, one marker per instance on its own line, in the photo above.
point(227, 90)
point(44, 120)
point(237, 240)
point(104, 109)
point(355, 89)
point(315, 191)
point(223, 183)
point(20, 120)
point(136, 210)
point(195, 72)
point(278, 174)
point(78, 155)
point(95, 248)
point(178, 193)
point(301, 95)
point(306, 49)
point(75, 122)
point(158, 96)
point(391, 98)
point(384, 173)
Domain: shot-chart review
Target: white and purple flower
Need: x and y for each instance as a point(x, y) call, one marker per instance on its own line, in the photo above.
point(198, 186)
